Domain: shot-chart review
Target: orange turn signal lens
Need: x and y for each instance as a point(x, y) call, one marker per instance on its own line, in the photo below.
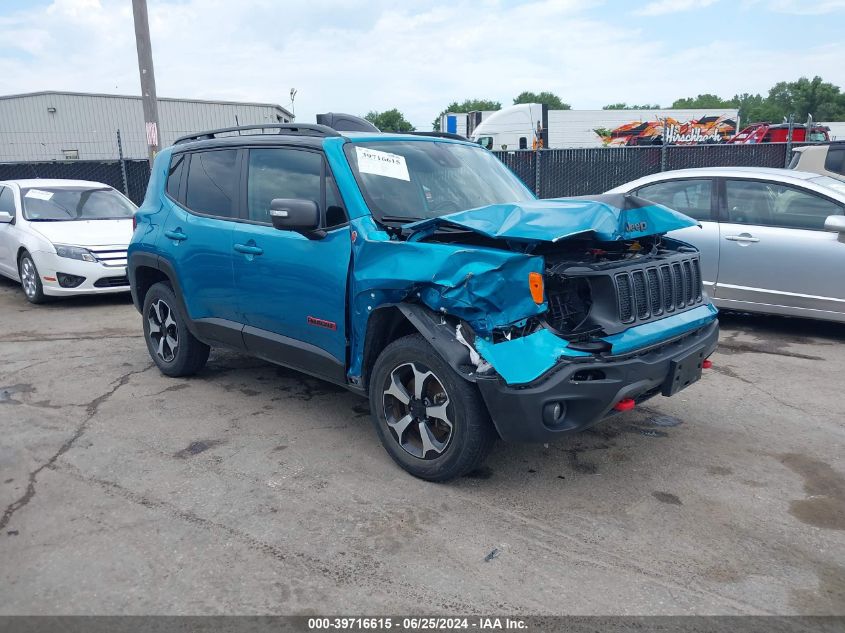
point(535, 284)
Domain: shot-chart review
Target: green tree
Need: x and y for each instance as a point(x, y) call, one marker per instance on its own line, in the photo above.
point(546, 98)
point(754, 108)
point(468, 105)
point(821, 99)
point(625, 106)
point(389, 121)
point(703, 101)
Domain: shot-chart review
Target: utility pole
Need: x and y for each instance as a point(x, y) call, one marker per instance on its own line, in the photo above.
point(148, 79)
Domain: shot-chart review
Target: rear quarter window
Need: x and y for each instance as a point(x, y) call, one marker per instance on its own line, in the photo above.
point(212, 183)
point(835, 160)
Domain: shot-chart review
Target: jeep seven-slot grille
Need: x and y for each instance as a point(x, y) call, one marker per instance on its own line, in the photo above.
point(656, 290)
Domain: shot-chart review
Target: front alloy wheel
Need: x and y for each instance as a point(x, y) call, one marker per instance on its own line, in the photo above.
point(430, 419)
point(163, 332)
point(416, 408)
point(29, 278)
point(30, 281)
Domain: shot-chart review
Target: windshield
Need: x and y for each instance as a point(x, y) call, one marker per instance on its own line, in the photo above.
point(415, 180)
point(54, 204)
point(831, 183)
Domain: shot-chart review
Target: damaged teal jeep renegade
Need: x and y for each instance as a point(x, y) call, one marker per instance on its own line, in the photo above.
point(420, 272)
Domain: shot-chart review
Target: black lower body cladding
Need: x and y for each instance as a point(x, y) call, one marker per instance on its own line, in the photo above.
point(586, 391)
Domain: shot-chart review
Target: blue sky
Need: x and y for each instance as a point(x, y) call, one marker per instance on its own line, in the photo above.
point(417, 55)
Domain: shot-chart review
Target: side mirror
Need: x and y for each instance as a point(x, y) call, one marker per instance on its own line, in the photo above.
point(835, 223)
point(5, 218)
point(294, 214)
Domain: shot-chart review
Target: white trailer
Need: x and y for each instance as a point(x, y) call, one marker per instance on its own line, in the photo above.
point(523, 126)
point(837, 130)
point(463, 123)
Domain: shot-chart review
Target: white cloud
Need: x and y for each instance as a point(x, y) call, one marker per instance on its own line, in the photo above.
point(362, 55)
point(662, 7)
point(803, 7)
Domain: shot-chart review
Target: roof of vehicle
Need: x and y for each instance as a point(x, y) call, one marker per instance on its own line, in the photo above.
point(793, 176)
point(747, 172)
point(53, 183)
point(307, 140)
point(819, 146)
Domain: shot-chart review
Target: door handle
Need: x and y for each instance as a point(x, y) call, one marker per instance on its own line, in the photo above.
point(743, 237)
point(249, 249)
point(176, 235)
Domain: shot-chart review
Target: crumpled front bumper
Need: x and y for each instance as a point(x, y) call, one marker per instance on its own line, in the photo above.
point(517, 411)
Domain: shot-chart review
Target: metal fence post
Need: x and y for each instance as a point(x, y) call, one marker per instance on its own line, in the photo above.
point(122, 165)
point(788, 158)
point(663, 151)
point(538, 153)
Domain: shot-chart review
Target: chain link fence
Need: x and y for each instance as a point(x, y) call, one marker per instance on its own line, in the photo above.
point(550, 173)
point(556, 173)
point(128, 176)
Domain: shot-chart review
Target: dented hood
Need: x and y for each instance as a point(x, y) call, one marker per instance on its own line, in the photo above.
point(610, 217)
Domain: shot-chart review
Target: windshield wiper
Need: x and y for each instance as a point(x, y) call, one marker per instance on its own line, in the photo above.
point(399, 218)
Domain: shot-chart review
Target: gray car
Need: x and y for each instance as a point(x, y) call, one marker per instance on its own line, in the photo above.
point(771, 240)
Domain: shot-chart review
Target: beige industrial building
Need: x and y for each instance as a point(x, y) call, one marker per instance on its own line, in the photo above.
point(52, 125)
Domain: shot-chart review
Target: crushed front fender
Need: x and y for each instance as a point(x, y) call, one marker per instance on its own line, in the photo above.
point(486, 287)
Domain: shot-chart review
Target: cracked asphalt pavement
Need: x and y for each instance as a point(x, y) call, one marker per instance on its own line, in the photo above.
point(250, 489)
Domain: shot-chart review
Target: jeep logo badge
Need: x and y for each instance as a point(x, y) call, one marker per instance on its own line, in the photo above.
point(635, 226)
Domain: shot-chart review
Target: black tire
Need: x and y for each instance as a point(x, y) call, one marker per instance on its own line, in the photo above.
point(470, 432)
point(188, 355)
point(33, 290)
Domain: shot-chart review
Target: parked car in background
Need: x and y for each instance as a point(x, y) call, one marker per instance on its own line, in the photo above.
point(827, 160)
point(421, 272)
point(64, 237)
point(771, 240)
point(780, 133)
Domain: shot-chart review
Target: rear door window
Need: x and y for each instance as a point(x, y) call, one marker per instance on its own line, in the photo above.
point(212, 183)
point(690, 197)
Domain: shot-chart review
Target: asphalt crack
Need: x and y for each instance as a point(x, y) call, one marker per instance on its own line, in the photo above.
point(91, 410)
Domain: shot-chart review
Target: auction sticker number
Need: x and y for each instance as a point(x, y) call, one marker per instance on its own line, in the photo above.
point(372, 161)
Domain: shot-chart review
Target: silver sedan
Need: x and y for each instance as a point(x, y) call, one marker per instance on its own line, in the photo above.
point(771, 240)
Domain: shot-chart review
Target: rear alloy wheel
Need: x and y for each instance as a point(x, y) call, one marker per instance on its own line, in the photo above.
point(163, 331)
point(171, 345)
point(430, 419)
point(30, 280)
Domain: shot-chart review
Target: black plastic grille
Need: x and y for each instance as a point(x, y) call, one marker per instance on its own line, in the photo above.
point(111, 282)
point(678, 286)
point(640, 296)
point(653, 291)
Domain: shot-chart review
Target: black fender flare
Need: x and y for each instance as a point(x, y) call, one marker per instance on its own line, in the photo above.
point(152, 260)
point(441, 336)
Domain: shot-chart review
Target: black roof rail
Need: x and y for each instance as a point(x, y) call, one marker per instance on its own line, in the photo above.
point(456, 137)
point(302, 129)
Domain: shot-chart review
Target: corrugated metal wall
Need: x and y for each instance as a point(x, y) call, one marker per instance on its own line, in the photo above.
point(30, 131)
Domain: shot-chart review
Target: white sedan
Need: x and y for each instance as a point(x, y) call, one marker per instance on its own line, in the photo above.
point(771, 240)
point(64, 237)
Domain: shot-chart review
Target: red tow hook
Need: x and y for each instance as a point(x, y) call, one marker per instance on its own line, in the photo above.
point(706, 363)
point(625, 405)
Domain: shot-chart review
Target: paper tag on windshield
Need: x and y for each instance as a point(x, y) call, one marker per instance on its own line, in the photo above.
point(38, 194)
point(372, 161)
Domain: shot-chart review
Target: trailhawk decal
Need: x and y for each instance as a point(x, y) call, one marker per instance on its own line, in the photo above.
point(329, 325)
